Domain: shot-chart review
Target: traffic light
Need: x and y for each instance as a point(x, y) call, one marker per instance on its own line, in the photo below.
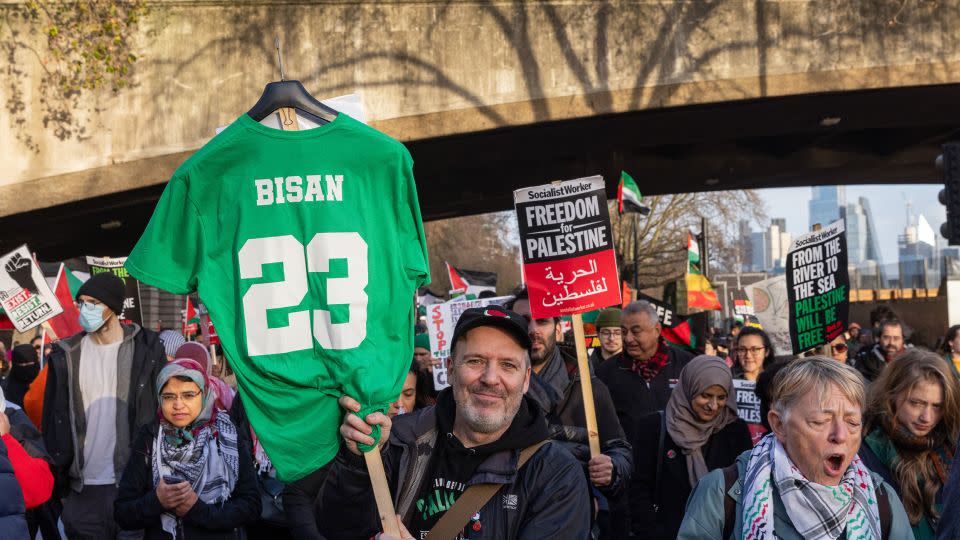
point(949, 163)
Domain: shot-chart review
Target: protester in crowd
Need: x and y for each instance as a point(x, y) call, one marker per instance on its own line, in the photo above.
point(189, 475)
point(804, 480)
point(839, 349)
point(890, 344)
point(611, 338)
point(639, 378)
point(480, 430)
point(425, 362)
point(100, 388)
point(754, 352)
point(949, 526)
point(421, 352)
point(951, 347)
point(913, 421)
point(413, 396)
point(853, 338)
point(24, 368)
point(555, 386)
point(172, 340)
point(735, 329)
point(699, 431)
point(13, 523)
point(31, 466)
point(199, 354)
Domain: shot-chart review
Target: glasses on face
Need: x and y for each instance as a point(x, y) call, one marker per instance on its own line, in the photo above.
point(840, 347)
point(750, 350)
point(610, 333)
point(36, 347)
point(89, 304)
point(185, 396)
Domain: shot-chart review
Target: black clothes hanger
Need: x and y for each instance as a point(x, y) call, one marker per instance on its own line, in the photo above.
point(290, 94)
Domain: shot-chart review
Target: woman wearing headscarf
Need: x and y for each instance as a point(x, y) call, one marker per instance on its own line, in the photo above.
point(188, 475)
point(697, 432)
point(912, 426)
point(199, 354)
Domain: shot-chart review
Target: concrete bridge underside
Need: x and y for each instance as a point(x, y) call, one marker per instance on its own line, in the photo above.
point(491, 96)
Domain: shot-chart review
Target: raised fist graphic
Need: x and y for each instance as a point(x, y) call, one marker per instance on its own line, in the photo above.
point(20, 269)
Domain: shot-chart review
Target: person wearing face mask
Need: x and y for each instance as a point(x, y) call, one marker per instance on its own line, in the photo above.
point(699, 431)
point(913, 423)
point(100, 389)
point(23, 370)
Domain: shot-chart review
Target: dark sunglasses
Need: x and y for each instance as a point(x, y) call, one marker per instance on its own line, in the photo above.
point(840, 347)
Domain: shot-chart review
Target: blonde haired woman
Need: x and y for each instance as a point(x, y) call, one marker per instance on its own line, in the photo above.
point(912, 425)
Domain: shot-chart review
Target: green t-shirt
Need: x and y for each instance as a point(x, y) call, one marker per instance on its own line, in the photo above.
point(306, 247)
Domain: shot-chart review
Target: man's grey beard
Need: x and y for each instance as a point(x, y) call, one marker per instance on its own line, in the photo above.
point(478, 422)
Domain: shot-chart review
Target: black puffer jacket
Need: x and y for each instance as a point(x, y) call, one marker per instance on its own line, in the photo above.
point(568, 422)
point(13, 524)
point(547, 498)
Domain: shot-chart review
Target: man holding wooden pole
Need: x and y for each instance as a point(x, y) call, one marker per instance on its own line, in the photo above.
point(485, 433)
point(556, 387)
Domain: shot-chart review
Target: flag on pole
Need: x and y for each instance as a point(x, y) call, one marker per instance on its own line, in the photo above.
point(700, 293)
point(629, 196)
point(471, 281)
point(67, 323)
point(191, 320)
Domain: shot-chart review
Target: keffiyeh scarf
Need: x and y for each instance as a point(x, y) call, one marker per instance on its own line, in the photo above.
point(816, 511)
point(209, 461)
point(650, 368)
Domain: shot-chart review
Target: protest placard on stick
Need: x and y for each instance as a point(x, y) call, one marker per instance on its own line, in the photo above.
point(569, 263)
point(818, 287)
point(131, 298)
point(441, 320)
point(24, 294)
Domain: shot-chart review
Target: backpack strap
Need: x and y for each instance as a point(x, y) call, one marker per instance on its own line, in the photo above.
point(659, 473)
point(730, 475)
point(886, 514)
point(453, 521)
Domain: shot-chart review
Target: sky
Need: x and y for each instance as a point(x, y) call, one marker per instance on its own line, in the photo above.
point(887, 202)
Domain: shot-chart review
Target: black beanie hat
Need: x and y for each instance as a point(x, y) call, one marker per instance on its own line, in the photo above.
point(107, 288)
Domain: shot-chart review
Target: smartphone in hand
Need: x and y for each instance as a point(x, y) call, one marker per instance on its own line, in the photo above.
point(172, 479)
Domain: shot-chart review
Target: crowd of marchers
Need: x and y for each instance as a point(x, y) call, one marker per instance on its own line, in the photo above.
point(122, 432)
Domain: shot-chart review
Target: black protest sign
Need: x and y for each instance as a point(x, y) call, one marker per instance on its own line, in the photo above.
point(666, 313)
point(818, 287)
point(131, 301)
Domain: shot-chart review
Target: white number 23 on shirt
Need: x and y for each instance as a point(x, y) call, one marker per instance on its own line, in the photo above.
point(297, 335)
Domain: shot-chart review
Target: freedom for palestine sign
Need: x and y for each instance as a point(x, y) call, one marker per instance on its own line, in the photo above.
point(818, 287)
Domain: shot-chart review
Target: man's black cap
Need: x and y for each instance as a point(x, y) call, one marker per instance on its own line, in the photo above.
point(493, 315)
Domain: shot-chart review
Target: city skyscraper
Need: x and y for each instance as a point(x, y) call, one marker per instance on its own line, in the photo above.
point(825, 204)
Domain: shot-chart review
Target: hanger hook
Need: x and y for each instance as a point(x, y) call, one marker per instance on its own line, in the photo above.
point(276, 43)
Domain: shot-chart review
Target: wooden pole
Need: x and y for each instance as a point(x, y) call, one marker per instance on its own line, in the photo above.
point(586, 386)
point(381, 492)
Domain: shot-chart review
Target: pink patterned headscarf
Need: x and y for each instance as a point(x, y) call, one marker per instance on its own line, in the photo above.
point(199, 354)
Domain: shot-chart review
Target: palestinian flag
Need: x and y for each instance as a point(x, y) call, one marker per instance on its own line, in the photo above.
point(628, 196)
point(700, 293)
point(191, 320)
point(67, 323)
point(471, 281)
